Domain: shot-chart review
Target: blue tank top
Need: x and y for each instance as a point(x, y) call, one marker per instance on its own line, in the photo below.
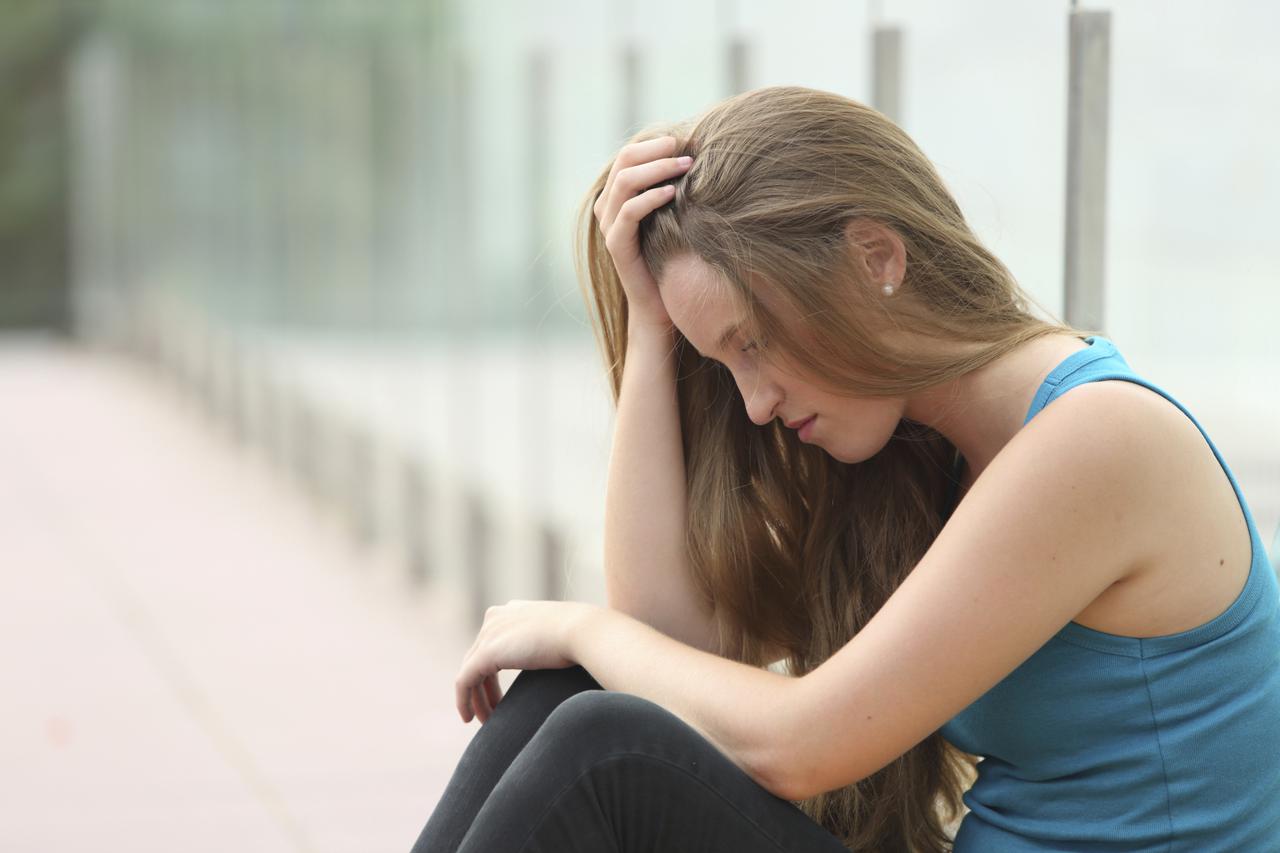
point(1101, 742)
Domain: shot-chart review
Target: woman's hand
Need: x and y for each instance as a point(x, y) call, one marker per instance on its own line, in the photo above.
point(515, 635)
point(629, 196)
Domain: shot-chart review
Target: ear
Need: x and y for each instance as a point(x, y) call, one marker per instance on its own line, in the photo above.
point(878, 250)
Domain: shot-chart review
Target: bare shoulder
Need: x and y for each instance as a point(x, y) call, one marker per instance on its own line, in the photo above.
point(1167, 446)
point(1127, 413)
point(1109, 444)
point(1188, 540)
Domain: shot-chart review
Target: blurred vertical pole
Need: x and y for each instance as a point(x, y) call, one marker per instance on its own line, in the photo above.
point(422, 518)
point(737, 51)
point(219, 287)
point(252, 223)
point(538, 365)
point(632, 79)
point(459, 285)
point(330, 255)
point(269, 233)
point(202, 283)
point(1086, 216)
point(125, 205)
point(295, 60)
point(359, 297)
point(286, 116)
point(391, 118)
point(297, 71)
point(181, 107)
point(238, 361)
point(886, 71)
point(405, 499)
point(99, 304)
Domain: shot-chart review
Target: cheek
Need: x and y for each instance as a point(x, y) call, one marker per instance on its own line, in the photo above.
point(882, 419)
point(864, 429)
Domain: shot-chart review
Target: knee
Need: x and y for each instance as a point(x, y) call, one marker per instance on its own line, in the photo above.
point(546, 688)
point(600, 708)
point(571, 679)
point(605, 721)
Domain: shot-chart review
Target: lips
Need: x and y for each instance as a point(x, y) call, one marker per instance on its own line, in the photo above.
point(800, 423)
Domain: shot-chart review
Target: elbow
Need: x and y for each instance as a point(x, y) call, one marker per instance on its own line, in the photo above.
point(793, 779)
point(804, 766)
point(785, 766)
point(800, 763)
point(769, 768)
point(787, 779)
point(784, 785)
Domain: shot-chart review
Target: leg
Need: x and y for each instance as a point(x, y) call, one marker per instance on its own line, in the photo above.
point(523, 709)
point(609, 771)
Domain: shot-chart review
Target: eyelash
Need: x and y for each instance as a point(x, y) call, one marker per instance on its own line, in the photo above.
point(750, 346)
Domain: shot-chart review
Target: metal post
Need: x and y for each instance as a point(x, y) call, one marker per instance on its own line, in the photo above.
point(632, 62)
point(552, 558)
point(886, 71)
point(303, 446)
point(739, 60)
point(360, 484)
point(737, 51)
point(478, 533)
point(632, 76)
point(461, 296)
point(416, 515)
point(537, 430)
point(1086, 215)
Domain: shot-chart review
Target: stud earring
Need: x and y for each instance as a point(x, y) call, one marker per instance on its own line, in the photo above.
point(888, 288)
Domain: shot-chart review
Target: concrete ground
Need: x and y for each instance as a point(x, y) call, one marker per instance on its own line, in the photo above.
point(191, 656)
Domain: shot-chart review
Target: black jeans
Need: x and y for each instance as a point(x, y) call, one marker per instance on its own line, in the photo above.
point(563, 766)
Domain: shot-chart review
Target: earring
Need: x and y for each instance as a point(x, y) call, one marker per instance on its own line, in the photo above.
point(888, 288)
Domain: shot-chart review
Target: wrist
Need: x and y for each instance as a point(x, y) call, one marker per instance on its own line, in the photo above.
point(645, 331)
point(581, 627)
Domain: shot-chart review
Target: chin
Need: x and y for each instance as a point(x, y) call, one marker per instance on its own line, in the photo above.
point(848, 459)
point(853, 455)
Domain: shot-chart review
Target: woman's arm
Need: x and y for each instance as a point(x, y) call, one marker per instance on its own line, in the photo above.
point(646, 504)
point(1064, 511)
point(1057, 517)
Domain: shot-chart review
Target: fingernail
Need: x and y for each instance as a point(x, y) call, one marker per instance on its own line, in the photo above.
point(684, 161)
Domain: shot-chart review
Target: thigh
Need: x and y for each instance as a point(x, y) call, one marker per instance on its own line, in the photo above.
point(609, 771)
point(523, 709)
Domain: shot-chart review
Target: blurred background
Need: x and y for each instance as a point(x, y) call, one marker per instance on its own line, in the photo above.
point(295, 377)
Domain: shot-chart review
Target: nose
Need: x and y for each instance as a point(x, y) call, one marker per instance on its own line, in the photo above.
point(761, 399)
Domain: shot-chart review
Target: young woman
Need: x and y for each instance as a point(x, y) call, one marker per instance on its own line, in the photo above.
point(846, 446)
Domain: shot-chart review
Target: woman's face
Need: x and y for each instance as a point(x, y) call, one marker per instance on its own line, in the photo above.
point(705, 311)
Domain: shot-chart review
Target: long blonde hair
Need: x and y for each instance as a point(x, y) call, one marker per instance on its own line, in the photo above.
point(791, 548)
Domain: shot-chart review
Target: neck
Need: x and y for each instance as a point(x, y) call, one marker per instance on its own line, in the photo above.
point(982, 410)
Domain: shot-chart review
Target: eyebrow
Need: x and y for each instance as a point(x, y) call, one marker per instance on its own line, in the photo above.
point(727, 335)
point(723, 340)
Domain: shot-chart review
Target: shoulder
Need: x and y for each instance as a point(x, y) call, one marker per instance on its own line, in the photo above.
point(1097, 421)
point(1103, 448)
point(1110, 415)
point(1126, 398)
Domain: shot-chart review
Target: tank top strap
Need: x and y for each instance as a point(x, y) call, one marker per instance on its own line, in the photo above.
point(1100, 357)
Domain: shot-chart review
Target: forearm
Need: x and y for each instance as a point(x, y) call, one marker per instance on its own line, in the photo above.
point(646, 503)
point(746, 712)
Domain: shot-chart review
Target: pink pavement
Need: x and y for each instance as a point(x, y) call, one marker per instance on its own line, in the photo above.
point(191, 656)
